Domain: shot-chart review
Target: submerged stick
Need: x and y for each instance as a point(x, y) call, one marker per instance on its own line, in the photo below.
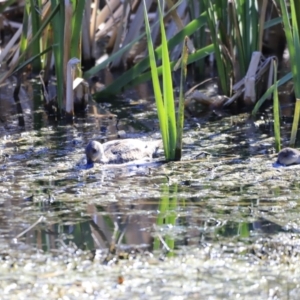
point(41, 219)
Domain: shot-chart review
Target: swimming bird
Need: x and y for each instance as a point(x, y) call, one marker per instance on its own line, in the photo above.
point(288, 156)
point(121, 151)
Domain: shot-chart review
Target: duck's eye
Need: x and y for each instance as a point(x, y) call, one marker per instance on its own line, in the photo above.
point(94, 150)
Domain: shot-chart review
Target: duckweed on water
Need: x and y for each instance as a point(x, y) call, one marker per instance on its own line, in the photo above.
point(195, 273)
point(236, 218)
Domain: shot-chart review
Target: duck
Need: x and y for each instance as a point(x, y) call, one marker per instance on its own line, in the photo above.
point(121, 151)
point(288, 156)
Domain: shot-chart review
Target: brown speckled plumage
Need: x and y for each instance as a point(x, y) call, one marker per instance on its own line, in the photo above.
point(121, 151)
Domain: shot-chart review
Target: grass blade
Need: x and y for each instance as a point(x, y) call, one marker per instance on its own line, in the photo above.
point(180, 113)
point(168, 89)
point(157, 90)
point(276, 110)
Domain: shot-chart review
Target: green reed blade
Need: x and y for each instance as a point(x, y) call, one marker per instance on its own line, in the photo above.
point(78, 11)
point(269, 91)
point(58, 37)
point(32, 59)
point(162, 116)
point(276, 110)
point(34, 38)
point(168, 92)
point(199, 54)
point(143, 65)
point(36, 6)
point(180, 113)
point(23, 39)
point(213, 21)
point(190, 28)
point(292, 37)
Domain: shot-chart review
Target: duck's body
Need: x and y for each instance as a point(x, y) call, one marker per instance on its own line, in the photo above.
point(288, 156)
point(121, 151)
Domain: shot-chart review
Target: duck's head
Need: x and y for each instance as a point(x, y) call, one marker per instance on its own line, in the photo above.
point(94, 152)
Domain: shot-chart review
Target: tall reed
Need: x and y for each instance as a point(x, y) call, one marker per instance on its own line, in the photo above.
point(170, 129)
point(291, 24)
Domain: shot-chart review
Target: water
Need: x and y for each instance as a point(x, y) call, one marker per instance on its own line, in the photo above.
point(222, 223)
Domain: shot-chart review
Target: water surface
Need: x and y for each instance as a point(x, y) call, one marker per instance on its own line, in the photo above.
point(222, 223)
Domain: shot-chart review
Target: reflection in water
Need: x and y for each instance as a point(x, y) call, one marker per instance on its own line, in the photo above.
point(49, 164)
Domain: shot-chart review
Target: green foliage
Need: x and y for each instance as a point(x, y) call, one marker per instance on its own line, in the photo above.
point(35, 7)
point(200, 37)
point(170, 129)
point(77, 18)
point(291, 26)
point(234, 25)
point(270, 91)
point(165, 108)
point(135, 75)
point(217, 19)
point(58, 39)
point(34, 45)
point(194, 57)
point(180, 114)
point(276, 110)
point(24, 40)
point(247, 30)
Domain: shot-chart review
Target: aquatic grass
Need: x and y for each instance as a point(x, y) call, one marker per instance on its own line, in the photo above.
point(67, 41)
point(35, 13)
point(72, 50)
point(52, 24)
point(236, 30)
point(133, 76)
point(193, 57)
point(200, 37)
point(67, 36)
point(217, 18)
point(66, 25)
point(171, 129)
point(248, 26)
point(291, 26)
point(168, 91)
point(25, 25)
point(128, 46)
point(77, 19)
point(58, 23)
point(165, 102)
point(276, 110)
point(31, 59)
point(283, 80)
point(270, 91)
point(16, 65)
point(180, 113)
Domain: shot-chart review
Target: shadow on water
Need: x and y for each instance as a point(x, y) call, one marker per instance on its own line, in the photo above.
point(220, 210)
